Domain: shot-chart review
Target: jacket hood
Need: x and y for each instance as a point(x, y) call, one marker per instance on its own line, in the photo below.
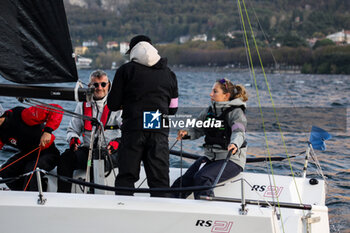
point(227, 104)
point(145, 54)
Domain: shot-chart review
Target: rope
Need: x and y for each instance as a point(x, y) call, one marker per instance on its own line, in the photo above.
point(274, 108)
point(173, 144)
point(36, 164)
point(256, 87)
point(181, 163)
point(58, 110)
point(19, 159)
point(9, 180)
point(136, 190)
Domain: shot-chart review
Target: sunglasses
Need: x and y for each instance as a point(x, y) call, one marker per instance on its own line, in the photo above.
point(223, 81)
point(96, 85)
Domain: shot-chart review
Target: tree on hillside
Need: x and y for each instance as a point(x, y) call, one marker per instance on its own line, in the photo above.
point(324, 42)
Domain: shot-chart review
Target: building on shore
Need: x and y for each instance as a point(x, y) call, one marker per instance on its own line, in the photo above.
point(83, 63)
point(112, 45)
point(342, 37)
point(80, 50)
point(124, 46)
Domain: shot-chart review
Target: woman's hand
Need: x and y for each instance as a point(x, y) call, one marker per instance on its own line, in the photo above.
point(232, 147)
point(181, 133)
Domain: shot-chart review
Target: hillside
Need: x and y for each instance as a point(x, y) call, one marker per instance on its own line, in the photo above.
point(167, 20)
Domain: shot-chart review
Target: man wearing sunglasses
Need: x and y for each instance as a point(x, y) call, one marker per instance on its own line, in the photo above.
point(145, 85)
point(76, 156)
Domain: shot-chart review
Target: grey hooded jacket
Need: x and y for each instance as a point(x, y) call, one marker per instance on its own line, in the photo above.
point(238, 122)
point(76, 125)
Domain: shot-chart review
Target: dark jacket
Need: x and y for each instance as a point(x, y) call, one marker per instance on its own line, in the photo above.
point(144, 84)
point(238, 124)
point(23, 127)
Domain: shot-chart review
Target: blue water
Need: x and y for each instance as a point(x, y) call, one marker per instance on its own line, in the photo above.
point(288, 90)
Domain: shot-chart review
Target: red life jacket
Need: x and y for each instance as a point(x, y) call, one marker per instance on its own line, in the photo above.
point(87, 111)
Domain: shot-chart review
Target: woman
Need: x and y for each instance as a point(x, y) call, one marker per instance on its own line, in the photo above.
point(228, 106)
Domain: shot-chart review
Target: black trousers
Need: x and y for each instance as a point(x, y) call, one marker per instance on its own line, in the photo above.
point(204, 176)
point(70, 161)
point(74, 160)
point(48, 160)
point(153, 150)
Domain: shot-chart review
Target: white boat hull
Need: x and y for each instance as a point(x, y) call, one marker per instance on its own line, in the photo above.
point(68, 213)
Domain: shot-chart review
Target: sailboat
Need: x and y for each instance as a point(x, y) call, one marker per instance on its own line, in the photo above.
point(248, 203)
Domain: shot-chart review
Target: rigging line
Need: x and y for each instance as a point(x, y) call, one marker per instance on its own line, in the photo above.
point(318, 165)
point(142, 182)
point(181, 163)
point(267, 147)
point(46, 107)
point(36, 164)
point(251, 186)
point(254, 76)
point(109, 155)
point(273, 104)
point(303, 124)
point(274, 58)
point(136, 190)
point(266, 38)
point(271, 167)
point(258, 97)
point(174, 144)
point(70, 113)
point(10, 179)
point(276, 64)
point(245, 50)
point(19, 159)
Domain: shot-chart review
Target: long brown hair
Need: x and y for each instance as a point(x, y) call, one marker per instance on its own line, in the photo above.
point(235, 90)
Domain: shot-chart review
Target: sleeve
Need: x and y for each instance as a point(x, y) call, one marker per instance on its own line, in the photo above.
point(115, 96)
point(174, 102)
point(195, 132)
point(1, 144)
point(76, 124)
point(238, 122)
point(40, 114)
point(119, 118)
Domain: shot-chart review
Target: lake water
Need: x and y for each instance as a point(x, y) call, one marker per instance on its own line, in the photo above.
point(291, 92)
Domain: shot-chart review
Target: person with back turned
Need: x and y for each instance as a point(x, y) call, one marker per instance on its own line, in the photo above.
point(145, 88)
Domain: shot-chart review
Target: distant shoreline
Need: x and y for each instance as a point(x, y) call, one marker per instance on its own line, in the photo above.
point(295, 70)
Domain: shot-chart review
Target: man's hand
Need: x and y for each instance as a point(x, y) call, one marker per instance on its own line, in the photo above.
point(112, 147)
point(74, 143)
point(46, 140)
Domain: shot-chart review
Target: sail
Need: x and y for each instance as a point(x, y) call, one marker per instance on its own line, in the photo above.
point(35, 45)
